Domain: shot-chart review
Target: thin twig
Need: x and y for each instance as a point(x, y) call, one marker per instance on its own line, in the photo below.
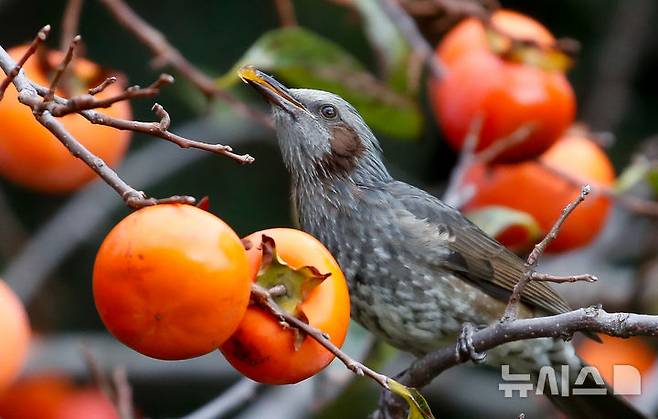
point(101, 87)
point(70, 22)
point(541, 277)
point(632, 203)
point(286, 11)
point(511, 310)
point(124, 393)
point(98, 376)
point(38, 40)
point(499, 146)
point(456, 195)
point(235, 396)
point(88, 101)
point(152, 128)
point(61, 69)
point(409, 30)
point(166, 54)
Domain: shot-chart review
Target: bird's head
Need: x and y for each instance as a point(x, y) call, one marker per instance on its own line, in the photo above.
point(321, 136)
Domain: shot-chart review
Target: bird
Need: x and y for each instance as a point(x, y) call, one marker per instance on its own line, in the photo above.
point(419, 273)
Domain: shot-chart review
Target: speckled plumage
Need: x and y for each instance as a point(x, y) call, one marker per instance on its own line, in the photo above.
point(416, 268)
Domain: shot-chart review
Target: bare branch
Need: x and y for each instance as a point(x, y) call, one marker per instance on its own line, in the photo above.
point(124, 394)
point(561, 326)
point(511, 310)
point(88, 101)
point(455, 195)
point(101, 87)
point(409, 30)
point(630, 202)
point(61, 69)
point(98, 377)
point(238, 394)
point(166, 54)
point(38, 40)
point(537, 276)
point(286, 11)
point(159, 129)
point(28, 95)
point(70, 22)
point(499, 146)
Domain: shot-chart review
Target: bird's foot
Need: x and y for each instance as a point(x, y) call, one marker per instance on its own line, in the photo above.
point(465, 348)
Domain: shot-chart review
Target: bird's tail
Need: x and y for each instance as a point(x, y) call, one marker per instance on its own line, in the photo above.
point(572, 386)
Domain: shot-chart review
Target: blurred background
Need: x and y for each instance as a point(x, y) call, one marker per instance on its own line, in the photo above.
point(48, 241)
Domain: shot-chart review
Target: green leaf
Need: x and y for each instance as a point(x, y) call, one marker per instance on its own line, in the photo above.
point(393, 50)
point(496, 219)
point(298, 282)
point(418, 407)
point(304, 59)
point(640, 170)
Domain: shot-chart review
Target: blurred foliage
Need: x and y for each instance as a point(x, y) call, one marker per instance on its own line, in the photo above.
point(301, 58)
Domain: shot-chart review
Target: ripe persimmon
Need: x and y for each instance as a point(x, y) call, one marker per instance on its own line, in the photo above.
point(54, 396)
point(508, 90)
point(612, 351)
point(263, 350)
point(31, 156)
point(532, 188)
point(15, 328)
point(171, 281)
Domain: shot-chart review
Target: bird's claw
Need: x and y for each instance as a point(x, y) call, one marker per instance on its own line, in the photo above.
point(465, 348)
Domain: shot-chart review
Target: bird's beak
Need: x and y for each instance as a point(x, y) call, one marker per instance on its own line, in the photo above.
point(273, 91)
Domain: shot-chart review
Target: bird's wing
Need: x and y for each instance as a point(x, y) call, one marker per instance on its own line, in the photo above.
point(473, 255)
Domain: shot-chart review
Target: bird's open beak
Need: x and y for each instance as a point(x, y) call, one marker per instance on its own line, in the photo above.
point(273, 91)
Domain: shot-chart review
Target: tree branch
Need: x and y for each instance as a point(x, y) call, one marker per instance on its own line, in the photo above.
point(70, 22)
point(29, 96)
point(511, 310)
point(286, 11)
point(166, 54)
point(632, 203)
point(409, 30)
point(236, 395)
point(38, 40)
point(560, 326)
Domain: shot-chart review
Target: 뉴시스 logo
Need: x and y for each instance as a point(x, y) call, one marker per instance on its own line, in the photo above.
point(626, 380)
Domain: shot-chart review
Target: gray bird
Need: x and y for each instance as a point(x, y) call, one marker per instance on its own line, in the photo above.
point(417, 269)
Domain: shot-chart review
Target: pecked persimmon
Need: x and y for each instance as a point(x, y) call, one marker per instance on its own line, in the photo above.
point(509, 86)
point(15, 328)
point(171, 281)
point(316, 292)
point(31, 156)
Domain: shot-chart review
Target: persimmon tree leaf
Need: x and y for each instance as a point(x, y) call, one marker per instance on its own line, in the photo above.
point(391, 47)
point(639, 171)
point(301, 58)
point(495, 219)
point(297, 283)
point(418, 407)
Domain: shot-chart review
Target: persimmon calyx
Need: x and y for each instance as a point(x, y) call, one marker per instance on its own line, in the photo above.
point(291, 286)
point(549, 58)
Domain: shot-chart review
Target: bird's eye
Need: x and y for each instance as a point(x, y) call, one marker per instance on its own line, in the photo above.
point(329, 111)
